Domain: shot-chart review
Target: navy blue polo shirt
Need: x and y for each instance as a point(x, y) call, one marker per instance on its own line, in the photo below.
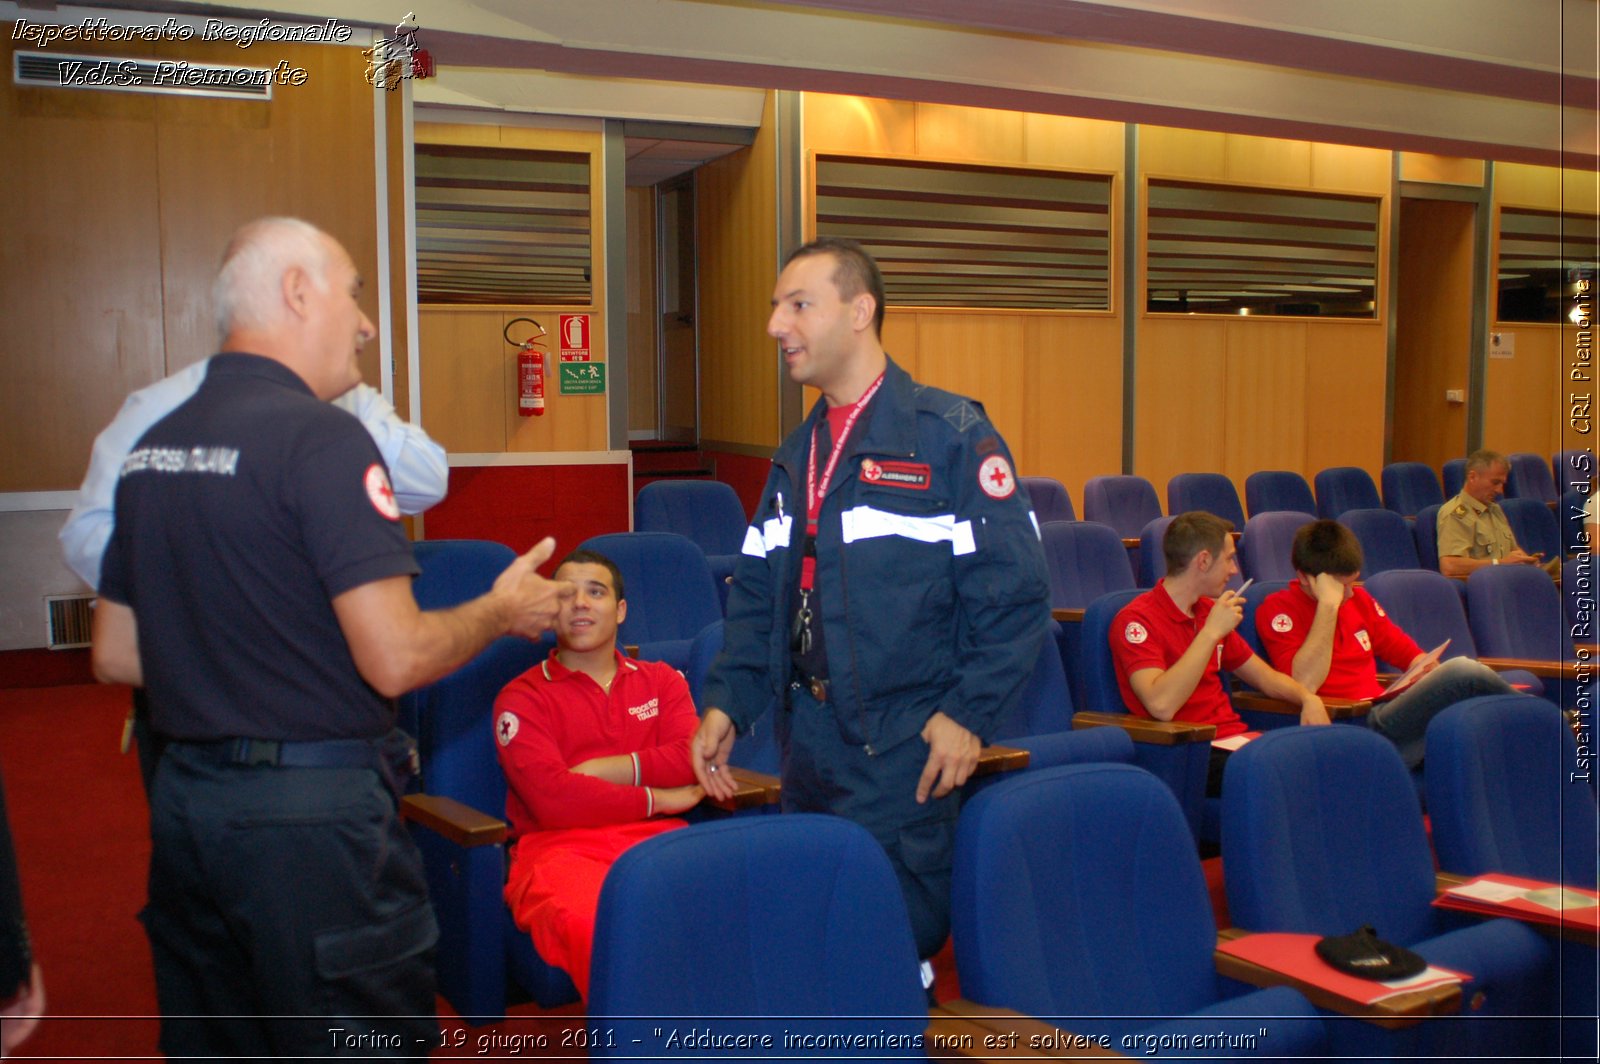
point(239, 517)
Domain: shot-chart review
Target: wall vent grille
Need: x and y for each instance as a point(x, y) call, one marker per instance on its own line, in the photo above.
point(165, 77)
point(70, 620)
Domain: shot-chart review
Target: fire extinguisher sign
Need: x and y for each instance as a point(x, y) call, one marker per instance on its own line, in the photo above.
point(574, 337)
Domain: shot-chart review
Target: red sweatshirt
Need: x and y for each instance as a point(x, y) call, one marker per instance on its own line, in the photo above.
point(551, 718)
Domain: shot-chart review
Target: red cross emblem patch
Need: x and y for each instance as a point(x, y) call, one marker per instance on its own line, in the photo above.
point(380, 493)
point(995, 478)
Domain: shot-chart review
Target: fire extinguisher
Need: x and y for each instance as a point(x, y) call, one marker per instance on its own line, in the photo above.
point(530, 370)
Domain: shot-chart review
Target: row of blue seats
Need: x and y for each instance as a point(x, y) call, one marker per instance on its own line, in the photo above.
point(1127, 502)
point(1387, 541)
point(452, 723)
point(1057, 917)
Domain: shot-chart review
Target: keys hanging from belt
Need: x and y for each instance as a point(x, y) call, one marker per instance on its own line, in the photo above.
point(800, 637)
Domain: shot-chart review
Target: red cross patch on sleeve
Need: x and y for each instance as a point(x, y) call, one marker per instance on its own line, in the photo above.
point(994, 477)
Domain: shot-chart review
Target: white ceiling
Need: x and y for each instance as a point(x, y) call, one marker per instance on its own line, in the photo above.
point(1501, 79)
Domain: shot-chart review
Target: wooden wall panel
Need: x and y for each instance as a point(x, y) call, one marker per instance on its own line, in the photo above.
point(1346, 366)
point(288, 151)
point(1072, 143)
point(1072, 424)
point(980, 356)
point(968, 134)
point(1527, 186)
point(463, 377)
point(1180, 404)
point(859, 124)
point(1169, 152)
point(1342, 168)
point(1441, 169)
point(122, 204)
point(1264, 393)
point(1525, 397)
point(737, 220)
point(80, 289)
point(901, 340)
point(644, 318)
point(1266, 161)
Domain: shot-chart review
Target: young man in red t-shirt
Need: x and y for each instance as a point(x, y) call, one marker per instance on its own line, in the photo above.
point(1328, 634)
point(595, 749)
point(1172, 642)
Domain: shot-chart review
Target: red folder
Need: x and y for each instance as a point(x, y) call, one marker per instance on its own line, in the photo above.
point(1525, 899)
point(1295, 955)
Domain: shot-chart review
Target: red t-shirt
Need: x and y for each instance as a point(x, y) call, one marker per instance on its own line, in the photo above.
point(1362, 633)
point(1151, 632)
point(551, 718)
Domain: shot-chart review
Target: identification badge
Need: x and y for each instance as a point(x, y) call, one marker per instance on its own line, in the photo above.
point(911, 475)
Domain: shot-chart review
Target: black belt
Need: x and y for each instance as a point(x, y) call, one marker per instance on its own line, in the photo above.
point(393, 756)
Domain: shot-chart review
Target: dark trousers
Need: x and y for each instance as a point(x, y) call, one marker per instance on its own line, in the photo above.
point(824, 774)
point(288, 913)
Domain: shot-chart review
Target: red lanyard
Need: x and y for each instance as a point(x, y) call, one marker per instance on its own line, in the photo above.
point(815, 491)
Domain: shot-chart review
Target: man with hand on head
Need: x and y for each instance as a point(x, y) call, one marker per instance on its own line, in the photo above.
point(892, 594)
point(1328, 634)
point(1172, 643)
point(258, 585)
point(1473, 530)
point(595, 749)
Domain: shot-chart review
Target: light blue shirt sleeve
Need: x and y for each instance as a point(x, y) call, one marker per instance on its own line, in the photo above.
point(88, 528)
point(417, 466)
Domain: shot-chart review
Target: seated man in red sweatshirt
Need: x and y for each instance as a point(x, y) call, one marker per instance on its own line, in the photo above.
point(595, 749)
point(1171, 643)
point(1328, 634)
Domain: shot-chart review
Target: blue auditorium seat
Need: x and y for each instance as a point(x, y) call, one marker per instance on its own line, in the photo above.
point(1051, 501)
point(1409, 486)
point(1211, 492)
point(1277, 489)
point(669, 589)
point(1344, 488)
point(1069, 882)
point(788, 925)
point(1321, 835)
point(1530, 478)
point(1266, 545)
point(1386, 540)
point(706, 511)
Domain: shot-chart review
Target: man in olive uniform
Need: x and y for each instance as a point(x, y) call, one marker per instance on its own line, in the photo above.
point(1473, 530)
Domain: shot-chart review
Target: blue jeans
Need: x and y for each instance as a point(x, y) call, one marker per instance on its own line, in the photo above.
point(288, 913)
point(1404, 720)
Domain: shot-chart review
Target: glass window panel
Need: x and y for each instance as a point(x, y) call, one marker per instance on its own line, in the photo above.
point(1542, 254)
point(973, 236)
point(499, 225)
point(1216, 249)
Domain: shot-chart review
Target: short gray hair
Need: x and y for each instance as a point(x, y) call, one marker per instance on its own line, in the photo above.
point(246, 291)
point(1483, 459)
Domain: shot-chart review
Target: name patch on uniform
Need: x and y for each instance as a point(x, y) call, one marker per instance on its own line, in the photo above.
point(994, 477)
point(222, 461)
point(647, 710)
point(505, 728)
point(380, 493)
point(897, 474)
point(1364, 639)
